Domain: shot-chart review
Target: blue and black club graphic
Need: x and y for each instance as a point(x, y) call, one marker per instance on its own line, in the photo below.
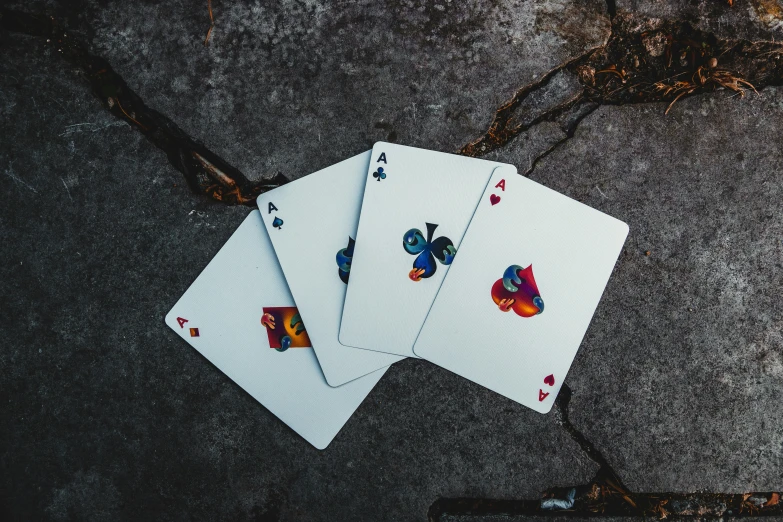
point(427, 251)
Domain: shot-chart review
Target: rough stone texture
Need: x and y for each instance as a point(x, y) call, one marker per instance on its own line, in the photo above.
point(295, 86)
point(108, 415)
point(746, 19)
point(680, 378)
point(563, 87)
point(528, 145)
point(527, 518)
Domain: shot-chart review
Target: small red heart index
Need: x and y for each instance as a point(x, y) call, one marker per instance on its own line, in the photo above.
point(550, 380)
point(181, 321)
point(494, 199)
point(542, 395)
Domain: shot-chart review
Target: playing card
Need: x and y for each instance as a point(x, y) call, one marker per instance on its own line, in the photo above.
point(240, 315)
point(417, 205)
point(312, 224)
point(520, 295)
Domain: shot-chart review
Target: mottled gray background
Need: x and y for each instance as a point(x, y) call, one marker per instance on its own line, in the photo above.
point(108, 415)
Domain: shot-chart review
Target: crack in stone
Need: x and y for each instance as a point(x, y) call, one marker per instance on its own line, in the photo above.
point(205, 172)
point(596, 500)
point(611, 8)
point(644, 60)
point(569, 128)
point(504, 126)
point(606, 495)
point(605, 474)
point(631, 67)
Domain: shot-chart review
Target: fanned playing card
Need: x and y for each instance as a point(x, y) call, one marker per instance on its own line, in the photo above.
point(417, 205)
point(312, 224)
point(240, 315)
point(521, 293)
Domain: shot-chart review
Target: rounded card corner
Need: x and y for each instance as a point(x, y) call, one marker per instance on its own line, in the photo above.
point(319, 445)
point(332, 384)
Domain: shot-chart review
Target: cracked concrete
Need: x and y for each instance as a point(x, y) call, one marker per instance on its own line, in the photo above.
point(204, 171)
point(677, 383)
point(328, 80)
point(682, 363)
point(107, 410)
point(503, 516)
point(746, 20)
point(644, 60)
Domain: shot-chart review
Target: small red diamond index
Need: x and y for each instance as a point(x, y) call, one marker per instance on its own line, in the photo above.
point(194, 332)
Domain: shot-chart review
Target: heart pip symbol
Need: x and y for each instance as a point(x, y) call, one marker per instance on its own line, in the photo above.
point(494, 199)
point(550, 380)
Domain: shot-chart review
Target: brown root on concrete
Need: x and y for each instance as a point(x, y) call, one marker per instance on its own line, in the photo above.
point(643, 61)
point(205, 172)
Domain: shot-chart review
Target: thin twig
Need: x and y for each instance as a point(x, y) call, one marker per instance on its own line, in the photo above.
point(211, 23)
point(683, 93)
point(131, 118)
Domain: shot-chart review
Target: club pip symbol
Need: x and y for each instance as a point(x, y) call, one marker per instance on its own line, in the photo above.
point(277, 223)
point(379, 174)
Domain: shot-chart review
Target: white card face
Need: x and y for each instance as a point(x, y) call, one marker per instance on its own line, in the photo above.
point(317, 216)
point(228, 313)
point(519, 297)
point(416, 207)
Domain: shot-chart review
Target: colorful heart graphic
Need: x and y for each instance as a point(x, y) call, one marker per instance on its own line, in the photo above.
point(518, 291)
point(550, 380)
point(494, 199)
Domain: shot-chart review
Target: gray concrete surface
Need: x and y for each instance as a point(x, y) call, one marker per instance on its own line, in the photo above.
point(106, 415)
point(746, 19)
point(528, 518)
point(293, 86)
point(680, 378)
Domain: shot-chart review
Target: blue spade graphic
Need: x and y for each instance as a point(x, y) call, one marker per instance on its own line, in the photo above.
point(277, 223)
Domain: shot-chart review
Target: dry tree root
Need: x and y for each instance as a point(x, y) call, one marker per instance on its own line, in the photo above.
point(703, 78)
point(663, 60)
point(644, 60)
point(205, 172)
point(211, 23)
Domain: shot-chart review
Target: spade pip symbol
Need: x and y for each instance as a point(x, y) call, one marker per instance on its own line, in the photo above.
point(277, 223)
